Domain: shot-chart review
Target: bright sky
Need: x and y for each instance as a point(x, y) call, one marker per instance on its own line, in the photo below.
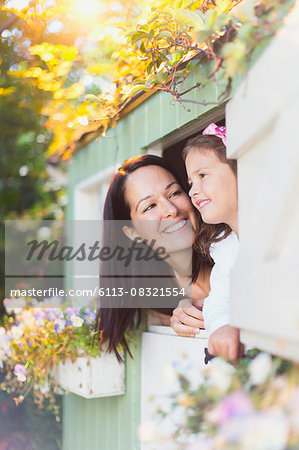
point(17, 4)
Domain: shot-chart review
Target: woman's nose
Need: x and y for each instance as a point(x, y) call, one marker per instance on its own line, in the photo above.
point(169, 209)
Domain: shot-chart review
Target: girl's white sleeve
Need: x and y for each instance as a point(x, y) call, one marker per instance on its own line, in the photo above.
point(216, 305)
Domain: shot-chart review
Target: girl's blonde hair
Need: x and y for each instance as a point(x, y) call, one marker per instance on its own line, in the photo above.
point(208, 233)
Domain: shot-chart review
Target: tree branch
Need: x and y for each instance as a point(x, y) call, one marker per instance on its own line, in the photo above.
point(178, 99)
point(190, 89)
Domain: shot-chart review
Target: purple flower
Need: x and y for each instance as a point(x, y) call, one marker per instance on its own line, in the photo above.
point(59, 325)
point(39, 313)
point(40, 317)
point(53, 313)
point(20, 372)
point(72, 311)
point(266, 429)
point(236, 404)
point(89, 316)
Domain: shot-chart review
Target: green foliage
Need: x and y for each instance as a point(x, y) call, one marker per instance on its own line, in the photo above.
point(165, 43)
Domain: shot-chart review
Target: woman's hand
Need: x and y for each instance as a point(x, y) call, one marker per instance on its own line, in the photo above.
point(157, 318)
point(187, 318)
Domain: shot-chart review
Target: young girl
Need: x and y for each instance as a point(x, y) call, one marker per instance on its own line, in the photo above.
point(213, 181)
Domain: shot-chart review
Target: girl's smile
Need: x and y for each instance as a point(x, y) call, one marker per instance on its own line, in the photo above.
point(213, 188)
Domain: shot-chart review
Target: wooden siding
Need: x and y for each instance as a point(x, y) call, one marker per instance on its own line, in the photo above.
point(105, 423)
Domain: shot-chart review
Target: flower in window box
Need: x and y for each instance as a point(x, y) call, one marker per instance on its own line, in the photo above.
point(20, 372)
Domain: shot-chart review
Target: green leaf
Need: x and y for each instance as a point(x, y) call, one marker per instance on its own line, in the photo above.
point(149, 67)
point(151, 34)
point(223, 6)
point(93, 98)
point(165, 34)
point(194, 18)
point(138, 36)
point(152, 19)
point(162, 77)
point(142, 48)
point(150, 80)
point(177, 56)
point(186, 4)
point(177, 4)
point(135, 89)
point(192, 65)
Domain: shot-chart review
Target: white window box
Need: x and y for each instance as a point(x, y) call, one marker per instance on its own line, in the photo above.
point(92, 377)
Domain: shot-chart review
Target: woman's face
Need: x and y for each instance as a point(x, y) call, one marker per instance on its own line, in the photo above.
point(160, 209)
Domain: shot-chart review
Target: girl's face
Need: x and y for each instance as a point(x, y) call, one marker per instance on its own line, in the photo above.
point(160, 209)
point(213, 188)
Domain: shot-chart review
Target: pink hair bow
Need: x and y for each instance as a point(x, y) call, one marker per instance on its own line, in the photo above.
point(216, 131)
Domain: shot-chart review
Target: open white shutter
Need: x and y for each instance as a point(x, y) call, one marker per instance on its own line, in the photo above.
point(263, 134)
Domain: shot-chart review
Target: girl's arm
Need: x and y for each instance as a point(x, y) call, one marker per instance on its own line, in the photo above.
point(224, 340)
point(217, 304)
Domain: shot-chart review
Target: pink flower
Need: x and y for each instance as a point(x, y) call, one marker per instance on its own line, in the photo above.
point(20, 372)
point(236, 404)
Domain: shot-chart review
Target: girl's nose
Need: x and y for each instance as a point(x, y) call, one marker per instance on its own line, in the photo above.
point(194, 190)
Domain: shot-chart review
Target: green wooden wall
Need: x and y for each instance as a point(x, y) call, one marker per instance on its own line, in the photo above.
point(105, 423)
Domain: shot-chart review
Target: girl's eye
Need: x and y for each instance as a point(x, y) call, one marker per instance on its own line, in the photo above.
point(149, 207)
point(177, 192)
point(202, 175)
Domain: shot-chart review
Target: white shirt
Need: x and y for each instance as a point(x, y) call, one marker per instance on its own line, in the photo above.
point(216, 305)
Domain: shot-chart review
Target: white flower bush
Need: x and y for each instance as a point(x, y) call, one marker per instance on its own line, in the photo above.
point(253, 405)
point(260, 368)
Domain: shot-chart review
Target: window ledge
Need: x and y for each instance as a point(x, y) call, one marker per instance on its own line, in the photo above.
point(162, 329)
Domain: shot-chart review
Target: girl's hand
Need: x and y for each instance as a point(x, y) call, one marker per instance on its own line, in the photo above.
point(225, 342)
point(187, 318)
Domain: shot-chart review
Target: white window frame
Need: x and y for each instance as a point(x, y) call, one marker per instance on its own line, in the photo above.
point(262, 134)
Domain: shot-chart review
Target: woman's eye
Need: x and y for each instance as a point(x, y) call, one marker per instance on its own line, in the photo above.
point(177, 192)
point(202, 175)
point(149, 207)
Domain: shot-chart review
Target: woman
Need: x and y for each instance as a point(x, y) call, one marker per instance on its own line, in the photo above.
point(148, 194)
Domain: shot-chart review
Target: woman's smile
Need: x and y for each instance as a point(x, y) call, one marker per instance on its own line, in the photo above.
point(176, 227)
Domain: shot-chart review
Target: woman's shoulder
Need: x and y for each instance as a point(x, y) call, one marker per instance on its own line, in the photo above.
point(226, 249)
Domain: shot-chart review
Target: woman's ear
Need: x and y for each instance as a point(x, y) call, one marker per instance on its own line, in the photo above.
point(130, 232)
